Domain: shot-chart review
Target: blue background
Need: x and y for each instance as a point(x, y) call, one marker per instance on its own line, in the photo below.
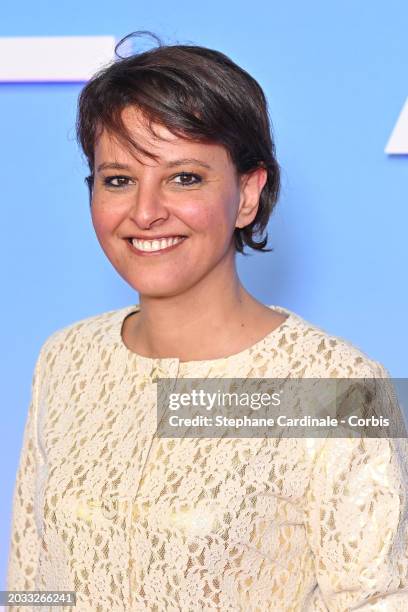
point(336, 79)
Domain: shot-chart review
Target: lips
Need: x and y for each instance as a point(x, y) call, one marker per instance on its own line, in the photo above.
point(155, 245)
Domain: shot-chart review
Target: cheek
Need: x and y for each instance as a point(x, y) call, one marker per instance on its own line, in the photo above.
point(216, 214)
point(104, 220)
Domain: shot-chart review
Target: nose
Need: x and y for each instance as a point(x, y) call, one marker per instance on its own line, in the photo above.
point(148, 205)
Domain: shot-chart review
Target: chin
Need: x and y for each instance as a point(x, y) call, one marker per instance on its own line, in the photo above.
point(160, 288)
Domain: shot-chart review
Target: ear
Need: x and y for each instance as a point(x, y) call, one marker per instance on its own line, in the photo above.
point(251, 187)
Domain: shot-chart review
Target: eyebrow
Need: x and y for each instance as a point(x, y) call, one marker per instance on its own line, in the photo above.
point(187, 160)
point(170, 164)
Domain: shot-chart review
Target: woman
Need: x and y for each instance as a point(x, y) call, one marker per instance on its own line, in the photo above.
point(184, 176)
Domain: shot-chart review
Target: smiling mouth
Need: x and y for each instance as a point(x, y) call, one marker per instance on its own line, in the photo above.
point(157, 245)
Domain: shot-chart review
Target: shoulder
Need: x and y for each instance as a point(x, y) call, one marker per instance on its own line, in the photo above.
point(84, 336)
point(315, 352)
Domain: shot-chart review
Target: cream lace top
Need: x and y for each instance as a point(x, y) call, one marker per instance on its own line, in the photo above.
point(135, 522)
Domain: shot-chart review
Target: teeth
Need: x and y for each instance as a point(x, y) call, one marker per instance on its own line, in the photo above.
point(155, 245)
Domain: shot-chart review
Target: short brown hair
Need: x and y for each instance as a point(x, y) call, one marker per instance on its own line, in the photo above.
point(196, 93)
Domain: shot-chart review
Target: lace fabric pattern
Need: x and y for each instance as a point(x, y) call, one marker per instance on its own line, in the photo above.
point(135, 522)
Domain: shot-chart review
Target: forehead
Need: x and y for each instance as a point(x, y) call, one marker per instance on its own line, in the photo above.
point(156, 139)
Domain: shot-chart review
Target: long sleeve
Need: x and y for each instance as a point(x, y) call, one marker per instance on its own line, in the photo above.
point(357, 523)
point(25, 541)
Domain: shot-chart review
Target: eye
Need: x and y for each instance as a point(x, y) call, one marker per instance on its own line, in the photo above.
point(117, 181)
point(188, 179)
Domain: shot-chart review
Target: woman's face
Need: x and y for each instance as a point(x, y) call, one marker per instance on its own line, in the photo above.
point(166, 225)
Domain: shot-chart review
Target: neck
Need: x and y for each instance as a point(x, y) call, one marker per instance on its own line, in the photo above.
point(207, 321)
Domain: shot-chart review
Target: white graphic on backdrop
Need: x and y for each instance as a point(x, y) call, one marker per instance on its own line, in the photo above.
point(62, 59)
point(36, 59)
point(398, 142)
